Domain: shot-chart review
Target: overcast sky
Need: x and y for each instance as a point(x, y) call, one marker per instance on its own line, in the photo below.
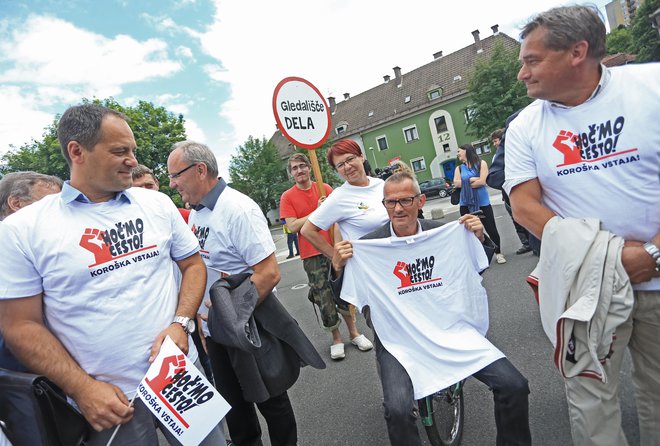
point(218, 62)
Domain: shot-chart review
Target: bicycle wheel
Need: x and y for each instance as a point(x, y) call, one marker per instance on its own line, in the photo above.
point(444, 423)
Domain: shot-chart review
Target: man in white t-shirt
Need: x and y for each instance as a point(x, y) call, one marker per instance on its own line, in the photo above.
point(87, 286)
point(589, 147)
point(429, 331)
point(234, 238)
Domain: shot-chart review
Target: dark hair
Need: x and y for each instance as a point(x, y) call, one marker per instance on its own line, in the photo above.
point(471, 156)
point(497, 134)
point(567, 25)
point(82, 123)
point(20, 184)
point(141, 170)
point(342, 147)
point(297, 157)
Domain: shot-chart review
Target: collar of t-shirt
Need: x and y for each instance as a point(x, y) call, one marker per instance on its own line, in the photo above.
point(211, 198)
point(394, 236)
point(70, 194)
point(604, 78)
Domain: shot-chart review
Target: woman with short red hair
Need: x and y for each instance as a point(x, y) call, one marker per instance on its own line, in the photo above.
point(356, 206)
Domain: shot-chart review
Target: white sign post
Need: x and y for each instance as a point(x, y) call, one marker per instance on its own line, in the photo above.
point(303, 117)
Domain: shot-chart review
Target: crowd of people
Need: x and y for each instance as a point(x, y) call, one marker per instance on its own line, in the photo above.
point(582, 174)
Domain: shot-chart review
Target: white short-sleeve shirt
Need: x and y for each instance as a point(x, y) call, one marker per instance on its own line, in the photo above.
point(426, 301)
point(357, 210)
point(233, 237)
point(106, 271)
point(600, 159)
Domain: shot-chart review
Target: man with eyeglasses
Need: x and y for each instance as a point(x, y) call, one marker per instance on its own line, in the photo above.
point(88, 294)
point(295, 206)
point(235, 239)
point(434, 322)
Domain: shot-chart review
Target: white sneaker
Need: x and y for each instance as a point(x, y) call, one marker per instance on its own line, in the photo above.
point(362, 343)
point(500, 258)
point(337, 351)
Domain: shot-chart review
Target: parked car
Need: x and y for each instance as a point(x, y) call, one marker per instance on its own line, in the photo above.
point(441, 187)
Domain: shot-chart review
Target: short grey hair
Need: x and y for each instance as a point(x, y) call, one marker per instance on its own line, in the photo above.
point(400, 177)
point(196, 152)
point(82, 123)
point(19, 185)
point(567, 25)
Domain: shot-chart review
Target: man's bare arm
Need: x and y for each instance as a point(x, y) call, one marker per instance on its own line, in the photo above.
point(295, 224)
point(313, 235)
point(528, 210)
point(21, 324)
point(266, 274)
point(191, 292)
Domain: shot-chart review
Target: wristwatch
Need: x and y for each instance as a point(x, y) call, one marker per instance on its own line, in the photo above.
point(187, 323)
point(653, 252)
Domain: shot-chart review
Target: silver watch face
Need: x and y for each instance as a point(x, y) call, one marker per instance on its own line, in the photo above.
point(190, 325)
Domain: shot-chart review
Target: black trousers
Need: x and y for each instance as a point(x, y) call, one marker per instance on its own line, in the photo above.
point(242, 420)
point(510, 394)
point(489, 224)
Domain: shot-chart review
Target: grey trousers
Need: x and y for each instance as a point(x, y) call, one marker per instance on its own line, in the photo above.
point(593, 407)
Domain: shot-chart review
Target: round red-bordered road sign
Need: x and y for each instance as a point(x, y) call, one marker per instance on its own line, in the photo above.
point(301, 112)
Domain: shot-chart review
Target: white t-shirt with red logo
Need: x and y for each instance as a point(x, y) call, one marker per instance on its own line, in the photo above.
point(427, 303)
point(233, 237)
point(357, 210)
point(600, 159)
point(106, 271)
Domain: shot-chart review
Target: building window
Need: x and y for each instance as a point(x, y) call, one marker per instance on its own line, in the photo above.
point(418, 164)
point(410, 133)
point(441, 125)
point(435, 94)
point(371, 113)
point(407, 99)
point(469, 114)
point(382, 143)
point(446, 148)
point(341, 129)
point(481, 147)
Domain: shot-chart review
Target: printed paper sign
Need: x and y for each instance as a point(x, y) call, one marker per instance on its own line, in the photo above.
point(180, 397)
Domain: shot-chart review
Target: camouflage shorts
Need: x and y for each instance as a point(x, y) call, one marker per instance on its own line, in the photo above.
point(320, 294)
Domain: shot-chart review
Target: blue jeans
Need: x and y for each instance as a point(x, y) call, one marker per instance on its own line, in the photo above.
point(292, 239)
point(510, 391)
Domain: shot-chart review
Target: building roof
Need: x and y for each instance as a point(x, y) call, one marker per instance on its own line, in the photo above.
point(387, 101)
point(407, 93)
point(614, 60)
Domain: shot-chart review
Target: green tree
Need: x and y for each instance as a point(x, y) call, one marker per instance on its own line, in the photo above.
point(619, 41)
point(257, 171)
point(155, 130)
point(645, 41)
point(495, 92)
point(42, 156)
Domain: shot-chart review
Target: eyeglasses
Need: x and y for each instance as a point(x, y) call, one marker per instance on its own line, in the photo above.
point(299, 167)
point(179, 173)
point(404, 202)
point(348, 160)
